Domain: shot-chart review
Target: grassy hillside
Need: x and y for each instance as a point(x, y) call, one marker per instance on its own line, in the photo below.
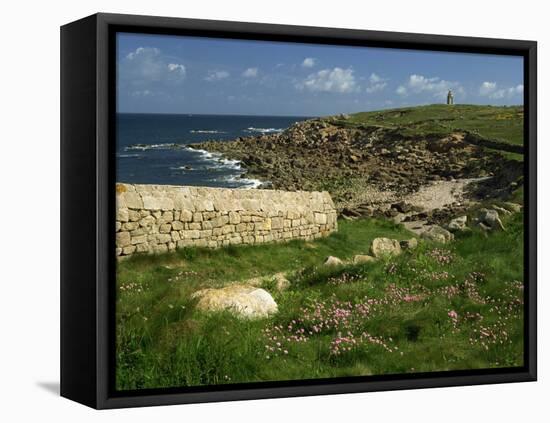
point(435, 308)
point(493, 122)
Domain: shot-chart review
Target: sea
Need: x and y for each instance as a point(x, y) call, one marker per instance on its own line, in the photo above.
point(152, 148)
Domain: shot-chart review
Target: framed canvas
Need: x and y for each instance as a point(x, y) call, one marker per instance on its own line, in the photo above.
point(258, 211)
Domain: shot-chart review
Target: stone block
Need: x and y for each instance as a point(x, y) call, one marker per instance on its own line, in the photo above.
point(139, 239)
point(129, 249)
point(122, 215)
point(165, 228)
point(132, 200)
point(123, 239)
point(186, 216)
point(168, 216)
point(320, 218)
point(277, 223)
point(234, 218)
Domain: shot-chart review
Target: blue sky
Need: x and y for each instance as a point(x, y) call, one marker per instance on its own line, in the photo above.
point(175, 74)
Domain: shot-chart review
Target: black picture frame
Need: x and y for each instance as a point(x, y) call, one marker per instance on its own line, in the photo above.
point(87, 208)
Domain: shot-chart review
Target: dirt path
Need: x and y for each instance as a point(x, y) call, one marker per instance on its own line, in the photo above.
point(437, 195)
point(440, 194)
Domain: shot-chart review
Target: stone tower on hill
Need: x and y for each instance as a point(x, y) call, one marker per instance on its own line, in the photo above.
point(450, 98)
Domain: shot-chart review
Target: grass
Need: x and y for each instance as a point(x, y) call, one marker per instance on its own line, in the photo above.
point(501, 123)
point(457, 306)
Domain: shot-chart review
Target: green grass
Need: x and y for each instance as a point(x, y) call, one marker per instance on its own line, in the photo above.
point(401, 305)
point(502, 123)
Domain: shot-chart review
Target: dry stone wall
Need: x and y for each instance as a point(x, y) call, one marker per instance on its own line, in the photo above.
point(159, 218)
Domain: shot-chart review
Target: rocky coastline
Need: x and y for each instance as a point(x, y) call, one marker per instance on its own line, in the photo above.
point(372, 170)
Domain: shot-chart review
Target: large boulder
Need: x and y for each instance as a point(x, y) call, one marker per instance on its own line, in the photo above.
point(491, 219)
point(438, 234)
point(385, 247)
point(243, 300)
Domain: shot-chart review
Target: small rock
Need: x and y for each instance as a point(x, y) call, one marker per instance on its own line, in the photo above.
point(333, 261)
point(483, 227)
point(363, 258)
point(491, 218)
point(409, 244)
point(458, 224)
point(281, 282)
point(438, 234)
point(501, 210)
point(513, 207)
point(402, 207)
point(398, 218)
point(385, 246)
point(242, 300)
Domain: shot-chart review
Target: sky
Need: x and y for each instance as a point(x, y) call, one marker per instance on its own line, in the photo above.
point(180, 74)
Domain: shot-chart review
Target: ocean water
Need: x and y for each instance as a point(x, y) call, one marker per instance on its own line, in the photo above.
point(146, 153)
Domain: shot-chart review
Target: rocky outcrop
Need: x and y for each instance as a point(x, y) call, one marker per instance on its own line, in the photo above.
point(363, 167)
point(159, 218)
point(244, 301)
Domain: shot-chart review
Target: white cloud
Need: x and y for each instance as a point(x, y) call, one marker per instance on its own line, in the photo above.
point(250, 73)
point(216, 75)
point(142, 51)
point(309, 62)
point(435, 86)
point(143, 93)
point(376, 83)
point(336, 80)
point(147, 65)
point(487, 88)
point(401, 90)
point(176, 68)
point(491, 90)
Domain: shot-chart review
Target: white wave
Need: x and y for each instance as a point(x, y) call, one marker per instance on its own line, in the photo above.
point(217, 159)
point(264, 130)
point(206, 131)
point(145, 147)
point(128, 155)
point(219, 162)
point(245, 183)
point(186, 167)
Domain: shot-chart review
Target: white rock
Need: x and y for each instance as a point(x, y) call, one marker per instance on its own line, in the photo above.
point(437, 234)
point(244, 301)
point(458, 224)
point(409, 244)
point(513, 207)
point(281, 282)
point(491, 218)
point(385, 246)
point(363, 258)
point(333, 261)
